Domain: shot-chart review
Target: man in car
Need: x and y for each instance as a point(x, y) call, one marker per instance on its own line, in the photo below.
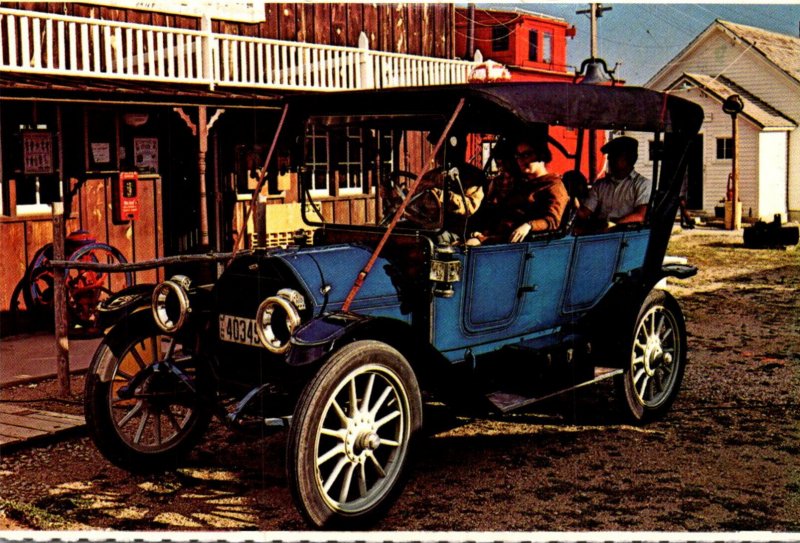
point(623, 194)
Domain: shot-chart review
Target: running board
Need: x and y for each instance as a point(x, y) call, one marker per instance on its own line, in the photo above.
point(506, 402)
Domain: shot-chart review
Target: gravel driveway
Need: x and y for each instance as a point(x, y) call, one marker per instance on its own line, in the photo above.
point(727, 458)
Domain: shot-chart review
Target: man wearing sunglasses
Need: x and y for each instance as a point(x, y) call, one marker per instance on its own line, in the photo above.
point(535, 202)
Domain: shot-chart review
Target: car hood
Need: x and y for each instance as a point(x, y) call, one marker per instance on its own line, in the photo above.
point(328, 274)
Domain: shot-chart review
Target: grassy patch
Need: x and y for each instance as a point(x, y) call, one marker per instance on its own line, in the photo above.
point(34, 517)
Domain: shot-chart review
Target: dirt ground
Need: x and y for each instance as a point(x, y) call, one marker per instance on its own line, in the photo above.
point(727, 457)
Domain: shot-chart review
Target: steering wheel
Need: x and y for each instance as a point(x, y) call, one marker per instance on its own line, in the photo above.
point(425, 208)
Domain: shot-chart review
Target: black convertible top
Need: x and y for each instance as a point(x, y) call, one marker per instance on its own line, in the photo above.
point(497, 106)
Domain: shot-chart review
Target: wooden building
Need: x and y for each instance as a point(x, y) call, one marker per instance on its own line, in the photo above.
point(532, 47)
point(186, 96)
point(763, 68)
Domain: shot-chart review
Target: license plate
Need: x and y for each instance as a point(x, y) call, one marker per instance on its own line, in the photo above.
point(238, 330)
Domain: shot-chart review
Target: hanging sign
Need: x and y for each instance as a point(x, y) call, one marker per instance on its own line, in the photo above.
point(37, 152)
point(243, 11)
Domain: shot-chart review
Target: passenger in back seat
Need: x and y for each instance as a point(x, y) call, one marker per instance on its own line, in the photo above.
point(534, 201)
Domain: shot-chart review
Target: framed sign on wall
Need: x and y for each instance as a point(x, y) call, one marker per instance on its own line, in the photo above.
point(37, 152)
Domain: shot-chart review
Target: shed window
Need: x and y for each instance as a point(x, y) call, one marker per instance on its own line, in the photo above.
point(724, 148)
point(533, 45)
point(500, 38)
point(547, 47)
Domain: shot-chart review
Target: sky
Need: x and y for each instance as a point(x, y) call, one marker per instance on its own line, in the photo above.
point(644, 36)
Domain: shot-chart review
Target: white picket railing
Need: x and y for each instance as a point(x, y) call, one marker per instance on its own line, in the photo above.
point(39, 43)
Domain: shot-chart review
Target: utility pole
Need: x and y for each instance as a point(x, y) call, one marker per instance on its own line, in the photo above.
point(594, 11)
point(470, 53)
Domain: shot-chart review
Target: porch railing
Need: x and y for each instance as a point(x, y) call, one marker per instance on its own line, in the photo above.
point(47, 44)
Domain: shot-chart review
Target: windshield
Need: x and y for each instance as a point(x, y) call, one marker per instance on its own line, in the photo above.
point(356, 170)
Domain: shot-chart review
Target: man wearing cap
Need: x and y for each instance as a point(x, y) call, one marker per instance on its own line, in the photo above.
point(623, 194)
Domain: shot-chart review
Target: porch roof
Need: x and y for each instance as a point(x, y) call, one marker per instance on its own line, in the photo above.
point(59, 88)
point(755, 109)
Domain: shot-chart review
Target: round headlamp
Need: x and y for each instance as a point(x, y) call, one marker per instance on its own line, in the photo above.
point(277, 317)
point(171, 303)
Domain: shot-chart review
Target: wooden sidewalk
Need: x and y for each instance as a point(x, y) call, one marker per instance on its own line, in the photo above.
point(21, 424)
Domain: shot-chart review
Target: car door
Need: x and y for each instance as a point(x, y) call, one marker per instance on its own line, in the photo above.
point(508, 293)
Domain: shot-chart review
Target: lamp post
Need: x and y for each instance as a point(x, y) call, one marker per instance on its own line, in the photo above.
point(733, 105)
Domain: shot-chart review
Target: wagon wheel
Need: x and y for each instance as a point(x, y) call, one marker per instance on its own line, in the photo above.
point(38, 290)
point(425, 208)
point(87, 288)
point(351, 435)
point(653, 375)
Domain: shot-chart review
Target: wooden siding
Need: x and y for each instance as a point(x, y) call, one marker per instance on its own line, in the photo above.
point(419, 29)
point(144, 240)
point(717, 52)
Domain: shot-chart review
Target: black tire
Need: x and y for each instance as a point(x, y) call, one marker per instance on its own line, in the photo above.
point(332, 455)
point(657, 359)
point(163, 420)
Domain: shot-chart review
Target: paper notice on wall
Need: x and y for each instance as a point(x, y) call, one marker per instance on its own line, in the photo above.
point(37, 153)
point(145, 154)
point(101, 153)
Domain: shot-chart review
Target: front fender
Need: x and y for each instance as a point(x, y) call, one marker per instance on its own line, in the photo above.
point(317, 338)
point(123, 303)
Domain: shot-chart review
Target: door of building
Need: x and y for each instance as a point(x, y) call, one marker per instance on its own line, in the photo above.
point(694, 196)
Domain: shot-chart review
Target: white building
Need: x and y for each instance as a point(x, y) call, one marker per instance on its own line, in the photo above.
point(763, 68)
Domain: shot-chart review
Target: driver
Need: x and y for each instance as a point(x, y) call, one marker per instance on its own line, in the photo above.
point(535, 201)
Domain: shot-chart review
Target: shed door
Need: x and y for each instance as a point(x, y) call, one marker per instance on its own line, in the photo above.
point(694, 196)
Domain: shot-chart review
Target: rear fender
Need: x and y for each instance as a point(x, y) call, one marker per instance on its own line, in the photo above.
point(681, 271)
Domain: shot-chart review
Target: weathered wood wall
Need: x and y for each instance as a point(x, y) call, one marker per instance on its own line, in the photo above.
point(419, 29)
point(141, 240)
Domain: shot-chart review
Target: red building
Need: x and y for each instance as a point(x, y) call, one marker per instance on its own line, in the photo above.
point(533, 47)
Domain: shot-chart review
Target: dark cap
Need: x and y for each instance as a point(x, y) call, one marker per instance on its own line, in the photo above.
point(622, 144)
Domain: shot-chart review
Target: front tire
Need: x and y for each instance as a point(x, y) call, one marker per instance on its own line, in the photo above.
point(351, 435)
point(657, 359)
point(154, 427)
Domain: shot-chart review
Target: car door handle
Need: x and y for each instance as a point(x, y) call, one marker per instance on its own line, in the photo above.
point(528, 288)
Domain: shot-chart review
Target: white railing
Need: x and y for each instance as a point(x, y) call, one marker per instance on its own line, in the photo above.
point(45, 44)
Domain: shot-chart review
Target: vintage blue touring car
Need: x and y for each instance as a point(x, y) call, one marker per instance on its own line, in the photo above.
point(337, 338)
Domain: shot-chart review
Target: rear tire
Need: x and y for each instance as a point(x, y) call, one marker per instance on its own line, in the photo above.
point(657, 359)
point(163, 420)
point(351, 436)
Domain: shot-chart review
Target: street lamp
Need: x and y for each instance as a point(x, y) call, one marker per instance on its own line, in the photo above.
point(733, 105)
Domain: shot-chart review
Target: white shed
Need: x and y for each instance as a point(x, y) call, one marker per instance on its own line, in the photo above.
point(763, 68)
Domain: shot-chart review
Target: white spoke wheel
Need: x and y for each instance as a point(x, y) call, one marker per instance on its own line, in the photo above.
point(351, 435)
point(657, 359)
point(139, 419)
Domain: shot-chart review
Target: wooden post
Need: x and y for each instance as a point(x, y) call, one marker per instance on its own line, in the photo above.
point(736, 223)
point(60, 302)
point(365, 65)
point(202, 137)
point(733, 105)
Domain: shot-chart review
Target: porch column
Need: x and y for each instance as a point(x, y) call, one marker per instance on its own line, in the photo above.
point(202, 138)
point(201, 130)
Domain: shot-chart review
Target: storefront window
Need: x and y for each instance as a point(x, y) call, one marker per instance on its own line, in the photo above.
point(30, 158)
